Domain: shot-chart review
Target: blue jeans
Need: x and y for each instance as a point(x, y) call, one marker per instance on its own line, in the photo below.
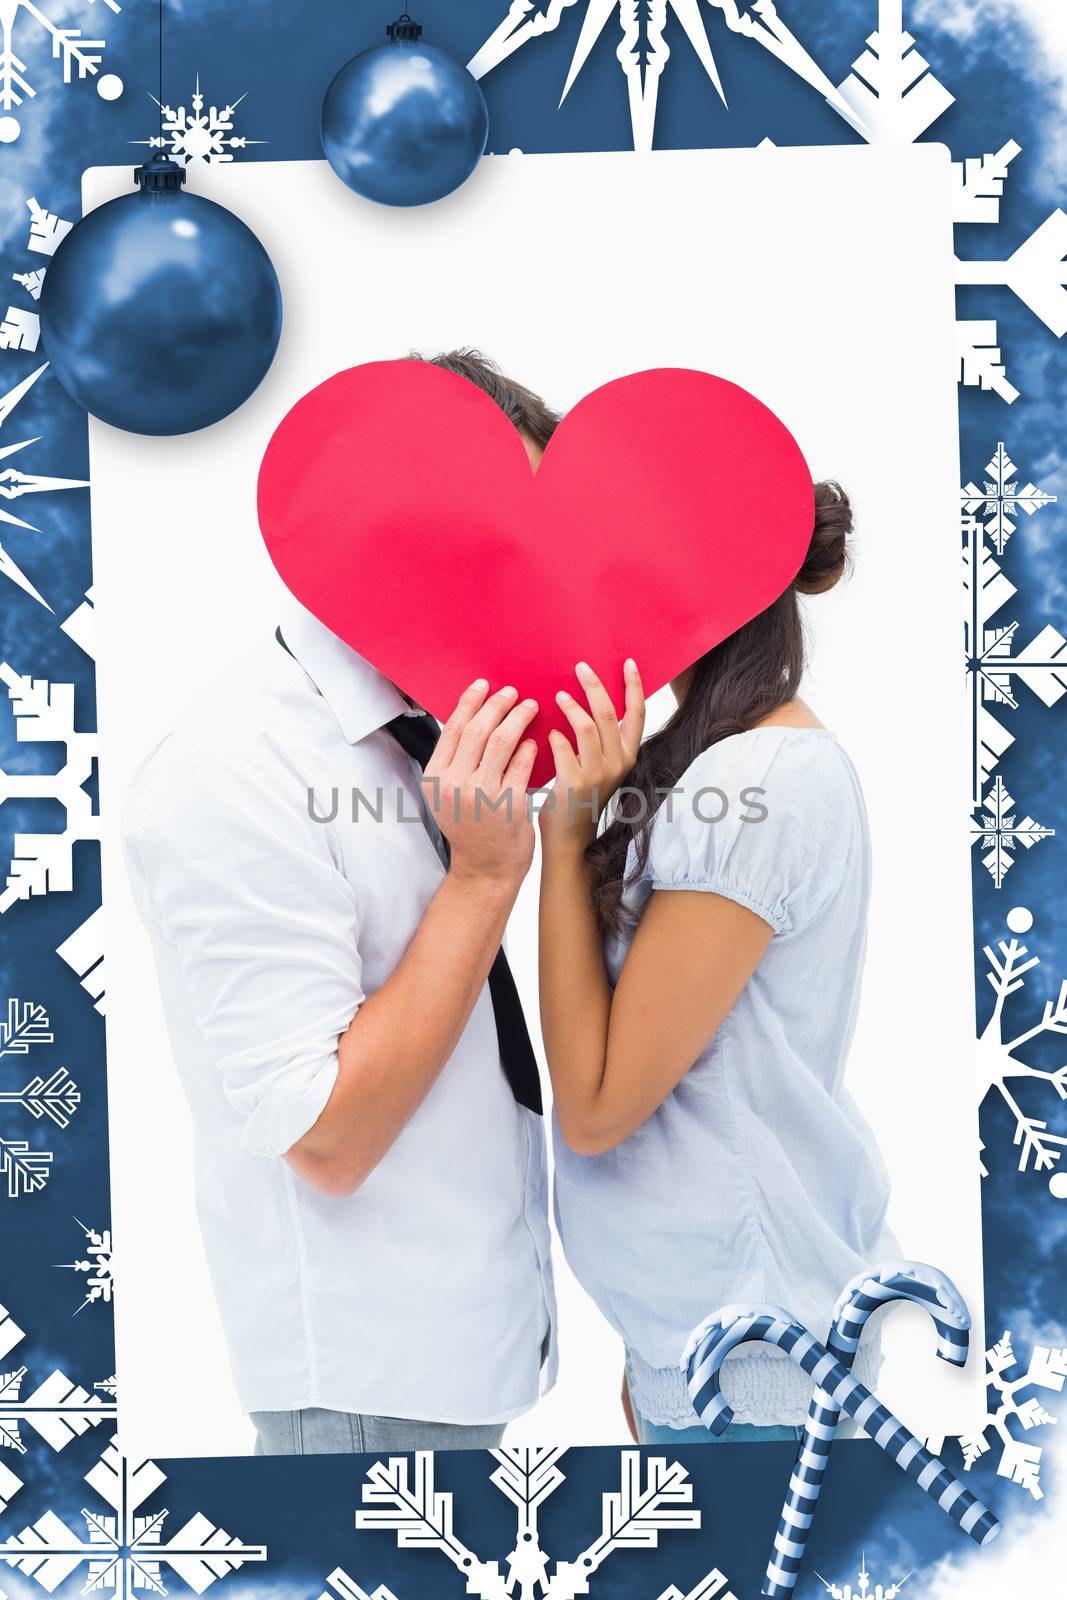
point(316, 1432)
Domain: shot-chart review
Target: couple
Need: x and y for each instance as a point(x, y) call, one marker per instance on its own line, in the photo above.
point(370, 1155)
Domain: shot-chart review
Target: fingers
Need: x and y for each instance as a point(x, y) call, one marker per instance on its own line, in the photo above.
point(563, 755)
point(586, 733)
point(482, 734)
point(633, 719)
point(617, 740)
point(602, 709)
point(470, 701)
point(500, 744)
point(472, 739)
point(517, 773)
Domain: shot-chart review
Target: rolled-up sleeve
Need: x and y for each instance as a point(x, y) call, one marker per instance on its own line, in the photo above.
point(247, 888)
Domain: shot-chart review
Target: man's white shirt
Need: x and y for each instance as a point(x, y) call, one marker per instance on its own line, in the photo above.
point(427, 1293)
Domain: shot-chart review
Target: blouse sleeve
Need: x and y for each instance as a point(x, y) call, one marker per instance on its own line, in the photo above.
point(762, 824)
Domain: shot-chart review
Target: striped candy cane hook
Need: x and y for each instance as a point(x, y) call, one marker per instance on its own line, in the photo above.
point(712, 1341)
point(892, 1281)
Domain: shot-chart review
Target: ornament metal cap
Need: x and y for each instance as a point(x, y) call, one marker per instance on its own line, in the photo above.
point(404, 28)
point(159, 175)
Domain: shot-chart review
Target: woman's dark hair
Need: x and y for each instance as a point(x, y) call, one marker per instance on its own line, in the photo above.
point(520, 405)
point(729, 690)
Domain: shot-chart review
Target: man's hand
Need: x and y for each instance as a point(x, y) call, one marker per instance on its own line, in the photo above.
point(476, 780)
point(402, 1036)
point(389, 1056)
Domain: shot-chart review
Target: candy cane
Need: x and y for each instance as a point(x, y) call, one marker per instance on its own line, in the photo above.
point(894, 1280)
point(719, 1334)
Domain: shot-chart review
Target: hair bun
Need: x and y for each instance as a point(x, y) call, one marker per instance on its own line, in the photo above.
point(827, 556)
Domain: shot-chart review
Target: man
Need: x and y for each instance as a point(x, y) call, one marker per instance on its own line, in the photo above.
point(370, 1157)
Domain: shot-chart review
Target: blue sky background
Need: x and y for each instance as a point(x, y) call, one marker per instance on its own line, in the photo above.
point(1003, 62)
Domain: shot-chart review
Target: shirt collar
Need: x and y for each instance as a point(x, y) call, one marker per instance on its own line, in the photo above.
point(360, 697)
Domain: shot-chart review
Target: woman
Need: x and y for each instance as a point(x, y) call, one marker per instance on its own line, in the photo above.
point(700, 976)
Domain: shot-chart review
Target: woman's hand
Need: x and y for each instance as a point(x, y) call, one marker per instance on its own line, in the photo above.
point(604, 750)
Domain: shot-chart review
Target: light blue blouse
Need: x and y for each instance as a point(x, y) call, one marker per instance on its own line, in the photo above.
point(757, 1179)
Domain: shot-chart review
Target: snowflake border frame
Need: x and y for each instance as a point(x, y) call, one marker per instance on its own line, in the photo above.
point(1026, 273)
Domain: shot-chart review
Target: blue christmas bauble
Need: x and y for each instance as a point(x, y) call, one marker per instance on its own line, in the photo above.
point(161, 311)
point(404, 123)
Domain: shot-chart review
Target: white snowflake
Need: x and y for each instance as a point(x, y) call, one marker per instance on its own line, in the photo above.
point(1005, 1403)
point(193, 137)
point(1000, 499)
point(32, 282)
point(891, 90)
point(862, 1589)
point(25, 1025)
point(44, 712)
point(995, 662)
point(55, 1097)
point(712, 1586)
point(654, 1496)
point(1034, 272)
point(123, 1552)
point(999, 831)
point(20, 329)
point(81, 625)
point(339, 1584)
point(979, 187)
point(979, 364)
point(99, 1265)
point(57, 1410)
point(14, 483)
point(978, 184)
point(81, 57)
point(83, 952)
point(998, 1064)
point(23, 1170)
point(643, 52)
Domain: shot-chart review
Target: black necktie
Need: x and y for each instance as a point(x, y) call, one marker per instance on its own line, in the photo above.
point(418, 735)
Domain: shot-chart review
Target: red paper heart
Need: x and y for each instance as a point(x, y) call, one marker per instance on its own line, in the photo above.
point(397, 503)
